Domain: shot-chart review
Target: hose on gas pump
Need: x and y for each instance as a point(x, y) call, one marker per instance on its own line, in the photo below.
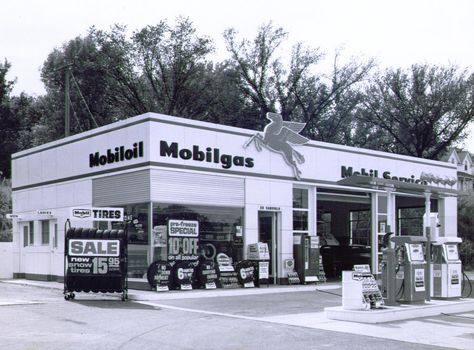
point(401, 290)
point(464, 278)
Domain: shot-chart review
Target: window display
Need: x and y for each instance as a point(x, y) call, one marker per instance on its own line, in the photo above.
point(220, 230)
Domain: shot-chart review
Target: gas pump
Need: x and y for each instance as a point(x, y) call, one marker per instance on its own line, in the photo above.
point(446, 268)
point(306, 255)
point(408, 270)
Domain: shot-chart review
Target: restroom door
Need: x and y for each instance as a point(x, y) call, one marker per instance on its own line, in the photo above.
point(268, 233)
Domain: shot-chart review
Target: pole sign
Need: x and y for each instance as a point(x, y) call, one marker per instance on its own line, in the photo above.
point(96, 214)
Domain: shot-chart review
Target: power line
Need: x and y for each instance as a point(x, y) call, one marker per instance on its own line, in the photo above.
point(83, 99)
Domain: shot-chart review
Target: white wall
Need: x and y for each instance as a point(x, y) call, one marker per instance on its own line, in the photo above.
point(6, 260)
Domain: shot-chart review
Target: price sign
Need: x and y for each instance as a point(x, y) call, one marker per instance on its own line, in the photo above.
point(93, 256)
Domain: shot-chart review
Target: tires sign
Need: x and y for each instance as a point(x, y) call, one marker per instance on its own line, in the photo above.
point(96, 214)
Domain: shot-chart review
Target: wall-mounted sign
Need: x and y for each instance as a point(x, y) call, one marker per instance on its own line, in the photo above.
point(280, 137)
point(13, 216)
point(44, 212)
point(269, 208)
point(96, 214)
point(349, 171)
point(118, 154)
point(209, 155)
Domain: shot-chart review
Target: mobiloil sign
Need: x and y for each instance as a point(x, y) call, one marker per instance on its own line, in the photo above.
point(118, 154)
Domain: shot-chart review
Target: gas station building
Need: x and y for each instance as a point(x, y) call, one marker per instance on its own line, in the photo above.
point(240, 185)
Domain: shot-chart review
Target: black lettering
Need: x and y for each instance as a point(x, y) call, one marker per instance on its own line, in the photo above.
point(226, 161)
point(185, 154)
point(197, 154)
point(216, 155)
point(386, 175)
point(135, 150)
point(110, 156)
point(346, 172)
point(94, 159)
point(117, 214)
point(209, 154)
point(128, 154)
point(238, 161)
point(140, 149)
point(103, 160)
point(168, 151)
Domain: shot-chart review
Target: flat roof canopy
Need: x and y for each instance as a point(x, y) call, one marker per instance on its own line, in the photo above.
point(377, 182)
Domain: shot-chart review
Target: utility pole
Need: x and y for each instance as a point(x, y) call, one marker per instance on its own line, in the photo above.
point(67, 118)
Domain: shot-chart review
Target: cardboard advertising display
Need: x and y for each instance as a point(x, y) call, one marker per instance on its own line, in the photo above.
point(159, 276)
point(207, 274)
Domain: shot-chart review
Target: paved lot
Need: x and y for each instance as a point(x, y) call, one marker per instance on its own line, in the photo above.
point(34, 315)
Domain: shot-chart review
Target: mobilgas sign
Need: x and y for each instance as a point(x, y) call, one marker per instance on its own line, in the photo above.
point(209, 155)
point(349, 171)
point(97, 214)
point(118, 154)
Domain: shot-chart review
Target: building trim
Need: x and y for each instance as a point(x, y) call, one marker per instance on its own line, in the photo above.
point(313, 144)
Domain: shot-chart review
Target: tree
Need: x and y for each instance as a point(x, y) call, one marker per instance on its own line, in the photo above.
point(9, 124)
point(328, 104)
point(266, 84)
point(161, 68)
point(325, 104)
point(5, 208)
point(466, 227)
point(420, 112)
point(89, 88)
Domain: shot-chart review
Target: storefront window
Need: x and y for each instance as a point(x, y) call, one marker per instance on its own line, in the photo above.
point(360, 227)
point(136, 221)
point(220, 229)
point(410, 221)
point(300, 198)
point(300, 209)
point(45, 232)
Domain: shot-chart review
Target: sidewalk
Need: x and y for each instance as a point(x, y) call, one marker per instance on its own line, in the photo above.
point(142, 295)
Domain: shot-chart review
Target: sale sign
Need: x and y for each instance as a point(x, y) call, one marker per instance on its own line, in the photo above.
point(93, 256)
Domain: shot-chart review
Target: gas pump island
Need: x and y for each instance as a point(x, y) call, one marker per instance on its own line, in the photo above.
point(405, 271)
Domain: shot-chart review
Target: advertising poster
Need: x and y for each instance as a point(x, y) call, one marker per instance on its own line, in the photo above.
point(419, 280)
point(183, 240)
point(208, 274)
point(93, 257)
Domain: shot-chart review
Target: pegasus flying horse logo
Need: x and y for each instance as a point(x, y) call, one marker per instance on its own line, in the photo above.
point(279, 136)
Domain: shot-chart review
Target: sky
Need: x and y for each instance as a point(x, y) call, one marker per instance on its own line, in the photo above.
point(396, 33)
